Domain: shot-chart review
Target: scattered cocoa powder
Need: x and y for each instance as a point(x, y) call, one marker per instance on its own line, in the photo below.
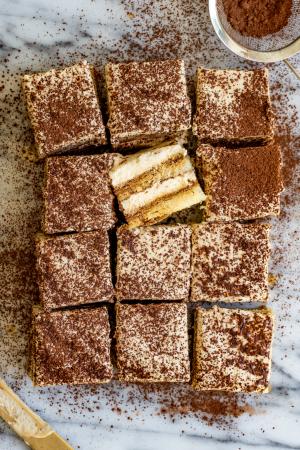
point(257, 18)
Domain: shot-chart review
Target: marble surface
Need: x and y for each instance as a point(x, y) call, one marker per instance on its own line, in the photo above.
point(38, 34)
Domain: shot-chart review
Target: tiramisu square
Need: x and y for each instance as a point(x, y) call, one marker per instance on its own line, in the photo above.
point(240, 184)
point(230, 262)
point(74, 269)
point(70, 347)
point(232, 349)
point(153, 263)
point(148, 103)
point(153, 184)
point(77, 194)
point(152, 343)
point(64, 109)
point(233, 106)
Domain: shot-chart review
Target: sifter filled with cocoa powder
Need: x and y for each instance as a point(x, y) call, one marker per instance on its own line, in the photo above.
point(259, 30)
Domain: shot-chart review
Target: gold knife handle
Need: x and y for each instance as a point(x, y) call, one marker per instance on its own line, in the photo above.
point(27, 424)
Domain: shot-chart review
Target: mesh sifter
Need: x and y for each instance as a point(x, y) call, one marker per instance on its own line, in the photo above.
point(276, 47)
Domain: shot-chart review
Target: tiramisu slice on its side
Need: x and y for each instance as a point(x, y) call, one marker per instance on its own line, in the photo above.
point(232, 349)
point(147, 102)
point(233, 107)
point(64, 109)
point(240, 184)
point(152, 184)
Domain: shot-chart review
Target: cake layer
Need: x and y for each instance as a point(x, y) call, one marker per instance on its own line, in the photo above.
point(230, 262)
point(152, 343)
point(233, 106)
point(70, 347)
point(64, 110)
point(233, 349)
point(242, 183)
point(154, 183)
point(147, 102)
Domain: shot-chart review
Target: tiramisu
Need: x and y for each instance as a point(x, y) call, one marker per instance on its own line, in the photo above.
point(148, 103)
point(230, 262)
point(153, 263)
point(152, 343)
point(232, 349)
point(77, 194)
point(74, 269)
point(64, 109)
point(70, 347)
point(242, 183)
point(153, 184)
point(233, 106)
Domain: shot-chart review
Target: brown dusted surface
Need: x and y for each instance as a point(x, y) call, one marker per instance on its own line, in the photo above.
point(72, 347)
point(244, 183)
point(64, 109)
point(77, 194)
point(230, 262)
point(152, 342)
point(153, 263)
point(74, 269)
point(245, 337)
point(146, 98)
point(233, 105)
point(258, 18)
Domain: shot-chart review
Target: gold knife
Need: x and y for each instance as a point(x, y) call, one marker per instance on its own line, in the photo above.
point(28, 425)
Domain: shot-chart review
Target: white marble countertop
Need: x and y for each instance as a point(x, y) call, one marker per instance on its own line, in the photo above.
point(38, 34)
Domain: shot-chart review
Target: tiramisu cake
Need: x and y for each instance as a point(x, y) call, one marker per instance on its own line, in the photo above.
point(77, 194)
point(230, 262)
point(232, 349)
point(74, 269)
point(152, 343)
point(242, 183)
point(70, 347)
point(153, 263)
point(64, 109)
point(233, 107)
point(147, 102)
point(152, 184)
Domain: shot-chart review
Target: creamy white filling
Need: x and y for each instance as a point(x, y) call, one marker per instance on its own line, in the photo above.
point(142, 162)
point(158, 190)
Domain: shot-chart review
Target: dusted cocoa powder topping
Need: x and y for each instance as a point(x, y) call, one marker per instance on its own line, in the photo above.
point(232, 349)
point(230, 262)
point(71, 347)
point(147, 100)
point(233, 106)
point(242, 183)
point(152, 343)
point(257, 18)
point(153, 263)
point(64, 109)
point(74, 269)
point(77, 194)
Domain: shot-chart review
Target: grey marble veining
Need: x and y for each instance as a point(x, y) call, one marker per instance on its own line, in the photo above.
point(36, 35)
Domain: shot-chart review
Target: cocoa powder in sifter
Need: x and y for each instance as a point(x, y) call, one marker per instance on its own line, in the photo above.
point(257, 18)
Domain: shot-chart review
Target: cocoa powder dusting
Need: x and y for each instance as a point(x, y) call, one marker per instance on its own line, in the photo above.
point(257, 18)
